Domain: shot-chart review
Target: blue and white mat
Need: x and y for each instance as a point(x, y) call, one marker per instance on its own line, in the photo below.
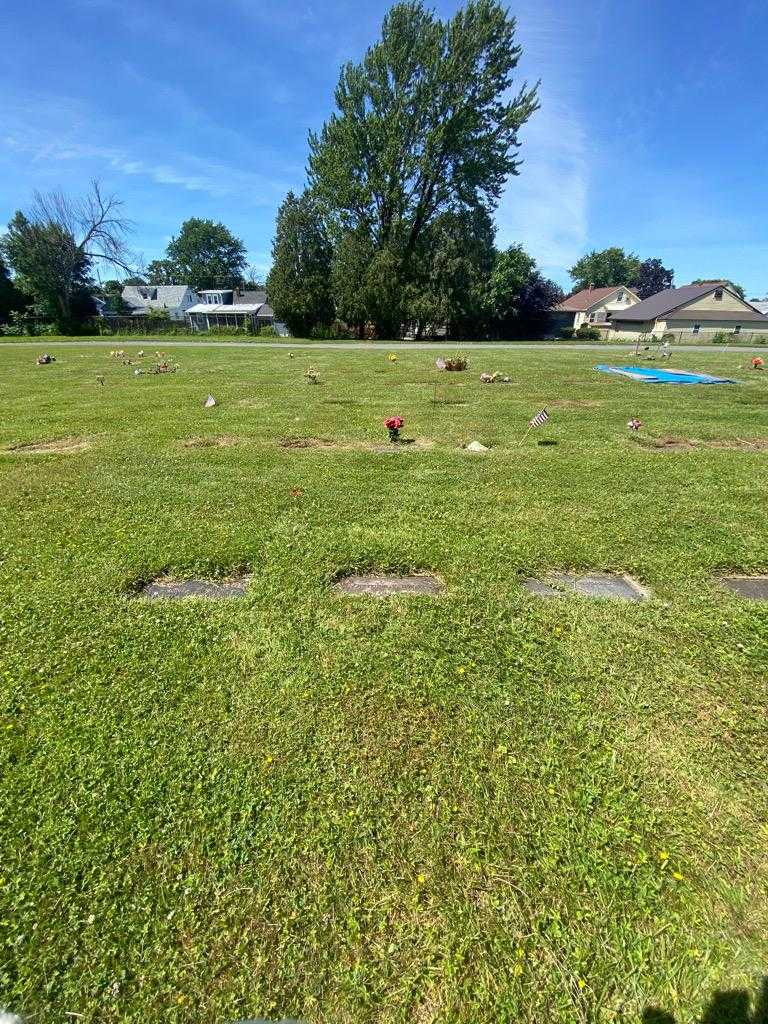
point(651, 375)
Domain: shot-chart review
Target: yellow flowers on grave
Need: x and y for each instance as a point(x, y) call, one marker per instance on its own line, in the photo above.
point(392, 357)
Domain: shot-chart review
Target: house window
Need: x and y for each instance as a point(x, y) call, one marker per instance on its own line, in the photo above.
point(696, 328)
point(737, 329)
point(719, 294)
point(591, 318)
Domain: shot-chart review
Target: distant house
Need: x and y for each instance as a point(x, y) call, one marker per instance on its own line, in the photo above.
point(694, 309)
point(174, 298)
point(230, 307)
point(593, 307)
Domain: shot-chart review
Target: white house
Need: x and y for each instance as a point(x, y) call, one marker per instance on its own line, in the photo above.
point(693, 309)
point(594, 307)
point(229, 307)
point(176, 299)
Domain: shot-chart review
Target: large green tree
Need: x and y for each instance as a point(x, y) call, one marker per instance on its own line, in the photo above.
point(452, 265)
point(426, 123)
point(204, 254)
point(299, 283)
point(11, 299)
point(652, 277)
point(520, 298)
point(52, 248)
point(605, 268)
point(163, 272)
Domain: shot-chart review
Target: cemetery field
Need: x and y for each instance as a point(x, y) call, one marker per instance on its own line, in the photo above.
point(478, 806)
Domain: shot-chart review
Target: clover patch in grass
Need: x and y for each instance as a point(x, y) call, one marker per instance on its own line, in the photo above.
point(752, 588)
point(614, 586)
point(169, 588)
point(388, 585)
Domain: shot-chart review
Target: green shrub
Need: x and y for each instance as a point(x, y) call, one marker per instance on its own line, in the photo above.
point(721, 338)
point(267, 331)
point(566, 332)
point(323, 332)
point(586, 333)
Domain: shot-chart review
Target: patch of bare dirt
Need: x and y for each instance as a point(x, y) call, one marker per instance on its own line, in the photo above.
point(307, 442)
point(225, 441)
point(668, 443)
point(574, 403)
point(418, 444)
point(62, 446)
point(741, 444)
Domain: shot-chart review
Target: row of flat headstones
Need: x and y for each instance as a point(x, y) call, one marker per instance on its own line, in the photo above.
point(601, 585)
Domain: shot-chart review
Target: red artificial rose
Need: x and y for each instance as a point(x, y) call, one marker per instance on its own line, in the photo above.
point(394, 422)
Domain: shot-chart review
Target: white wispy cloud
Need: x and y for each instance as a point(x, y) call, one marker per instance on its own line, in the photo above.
point(184, 170)
point(546, 206)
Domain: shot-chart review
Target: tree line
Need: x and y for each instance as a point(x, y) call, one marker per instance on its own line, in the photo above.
point(394, 229)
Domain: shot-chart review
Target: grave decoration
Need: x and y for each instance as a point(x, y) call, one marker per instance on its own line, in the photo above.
point(494, 378)
point(535, 421)
point(475, 446)
point(209, 402)
point(165, 367)
point(758, 363)
point(394, 425)
point(313, 377)
point(100, 379)
point(457, 362)
point(634, 423)
point(648, 375)
point(392, 357)
point(44, 359)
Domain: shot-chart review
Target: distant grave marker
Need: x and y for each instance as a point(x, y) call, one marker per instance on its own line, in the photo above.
point(211, 590)
point(596, 584)
point(752, 588)
point(373, 585)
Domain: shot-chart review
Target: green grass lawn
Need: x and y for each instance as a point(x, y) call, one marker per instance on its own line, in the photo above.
point(470, 808)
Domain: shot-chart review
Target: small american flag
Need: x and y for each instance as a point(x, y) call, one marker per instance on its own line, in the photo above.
point(539, 419)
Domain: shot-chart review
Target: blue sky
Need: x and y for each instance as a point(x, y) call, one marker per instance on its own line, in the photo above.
point(652, 132)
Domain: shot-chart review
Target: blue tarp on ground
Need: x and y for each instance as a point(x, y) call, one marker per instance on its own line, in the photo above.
point(651, 375)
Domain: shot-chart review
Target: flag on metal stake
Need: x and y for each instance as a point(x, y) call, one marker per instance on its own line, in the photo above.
point(539, 419)
point(535, 421)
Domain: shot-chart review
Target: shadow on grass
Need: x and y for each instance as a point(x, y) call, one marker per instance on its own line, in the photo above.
point(733, 1007)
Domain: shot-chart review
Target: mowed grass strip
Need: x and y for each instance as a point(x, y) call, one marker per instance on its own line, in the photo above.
point(477, 806)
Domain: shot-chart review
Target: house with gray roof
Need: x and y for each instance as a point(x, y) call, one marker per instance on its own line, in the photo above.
point(693, 309)
point(230, 307)
point(175, 299)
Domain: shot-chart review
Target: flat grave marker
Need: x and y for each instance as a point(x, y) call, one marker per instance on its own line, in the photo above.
point(613, 586)
point(210, 590)
point(752, 588)
point(373, 585)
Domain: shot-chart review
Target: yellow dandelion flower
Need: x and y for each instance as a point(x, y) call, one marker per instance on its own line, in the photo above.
point(676, 875)
point(518, 970)
point(582, 983)
point(663, 855)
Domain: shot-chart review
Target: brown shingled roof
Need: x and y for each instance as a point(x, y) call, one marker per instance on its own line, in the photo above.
point(582, 300)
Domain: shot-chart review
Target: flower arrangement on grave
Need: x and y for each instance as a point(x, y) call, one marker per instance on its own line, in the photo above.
point(635, 424)
point(313, 377)
point(457, 362)
point(392, 357)
point(394, 425)
point(758, 363)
